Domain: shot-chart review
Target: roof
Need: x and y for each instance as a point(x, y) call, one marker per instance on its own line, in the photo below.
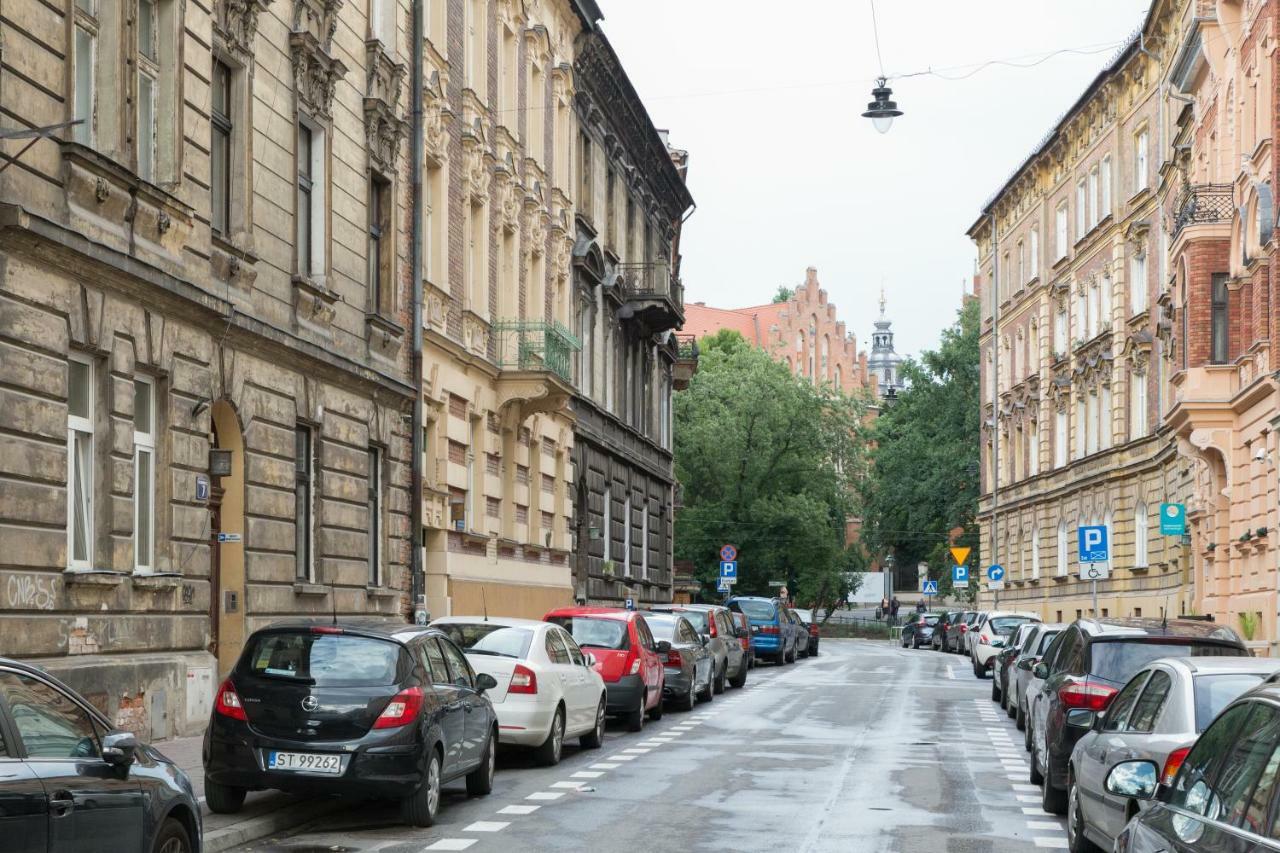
point(502, 621)
point(1222, 665)
point(1192, 629)
point(701, 320)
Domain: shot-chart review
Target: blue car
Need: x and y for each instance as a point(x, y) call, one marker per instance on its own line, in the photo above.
point(773, 636)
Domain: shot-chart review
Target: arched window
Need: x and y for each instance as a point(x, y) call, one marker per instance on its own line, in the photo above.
point(839, 378)
point(1140, 535)
point(826, 348)
point(800, 341)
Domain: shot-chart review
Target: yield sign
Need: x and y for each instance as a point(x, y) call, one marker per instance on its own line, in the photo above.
point(960, 555)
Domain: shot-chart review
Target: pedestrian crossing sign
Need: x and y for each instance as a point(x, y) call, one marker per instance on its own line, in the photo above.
point(929, 587)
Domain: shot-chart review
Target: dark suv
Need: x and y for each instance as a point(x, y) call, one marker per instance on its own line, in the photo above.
point(1083, 670)
point(356, 707)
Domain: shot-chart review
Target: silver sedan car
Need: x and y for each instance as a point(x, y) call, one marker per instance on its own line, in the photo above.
point(1156, 717)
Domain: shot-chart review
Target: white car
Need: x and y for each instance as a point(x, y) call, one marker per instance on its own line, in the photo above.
point(547, 689)
point(996, 630)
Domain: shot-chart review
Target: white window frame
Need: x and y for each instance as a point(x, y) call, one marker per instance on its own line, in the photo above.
point(1106, 186)
point(1104, 417)
point(1094, 190)
point(1141, 144)
point(1060, 437)
point(82, 462)
point(1141, 533)
point(1138, 282)
point(1092, 423)
point(1078, 442)
point(1060, 332)
point(1137, 405)
point(1035, 553)
point(1063, 554)
point(1081, 208)
point(146, 135)
point(144, 446)
point(315, 267)
point(1034, 239)
point(85, 103)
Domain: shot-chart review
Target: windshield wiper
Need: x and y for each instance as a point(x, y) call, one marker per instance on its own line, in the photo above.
point(490, 653)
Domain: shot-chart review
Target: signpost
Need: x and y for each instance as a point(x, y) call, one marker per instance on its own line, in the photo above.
point(631, 604)
point(1094, 555)
point(995, 577)
point(960, 555)
point(960, 577)
point(729, 569)
point(725, 586)
point(930, 589)
point(1173, 519)
point(728, 553)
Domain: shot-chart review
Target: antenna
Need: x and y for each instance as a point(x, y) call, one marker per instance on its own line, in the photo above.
point(484, 603)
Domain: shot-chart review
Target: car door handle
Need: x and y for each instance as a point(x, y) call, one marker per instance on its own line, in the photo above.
point(61, 804)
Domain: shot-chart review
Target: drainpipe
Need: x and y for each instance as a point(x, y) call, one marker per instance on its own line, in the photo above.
point(418, 585)
point(995, 405)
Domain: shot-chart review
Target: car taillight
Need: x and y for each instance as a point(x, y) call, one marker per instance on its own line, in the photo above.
point(1093, 697)
point(228, 702)
point(964, 629)
point(813, 630)
point(1173, 763)
point(325, 629)
point(711, 626)
point(401, 710)
point(523, 680)
point(921, 624)
point(674, 659)
point(768, 629)
point(983, 640)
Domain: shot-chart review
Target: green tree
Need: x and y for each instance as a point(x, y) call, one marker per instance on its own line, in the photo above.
point(923, 481)
point(767, 462)
point(784, 293)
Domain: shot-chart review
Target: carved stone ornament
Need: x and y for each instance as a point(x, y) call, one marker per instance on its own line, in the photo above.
point(101, 191)
point(475, 334)
point(317, 18)
point(384, 132)
point(436, 314)
point(508, 196)
point(314, 304)
point(434, 107)
point(235, 23)
point(315, 75)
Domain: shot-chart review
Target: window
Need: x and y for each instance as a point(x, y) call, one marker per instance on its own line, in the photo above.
point(375, 516)
point(1140, 144)
point(1092, 424)
point(1106, 186)
point(1095, 310)
point(1035, 553)
point(220, 149)
point(49, 723)
point(81, 411)
point(85, 98)
point(584, 173)
point(477, 267)
point(381, 277)
point(1138, 282)
point(1093, 197)
point(1147, 709)
point(1104, 311)
point(1137, 405)
point(303, 489)
point(459, 669)
point(537, 119)
point(1060, 231)
point(306, 203)
point(555, 648)
point(1062, 550)
point(1034, 239)
point(1218, 330)
point(1079, 427)
point(644, 541)
point(148, 73)
point(433, 661)
point(626, 536)
point(1022, 263)
point(1120, 707)
point(1081, 209)
point(1140, 535)
point(608, 523)
point(1104, 416)
point(1060, 332)
point(144, 473)
point(477, 68)
point(508, 114)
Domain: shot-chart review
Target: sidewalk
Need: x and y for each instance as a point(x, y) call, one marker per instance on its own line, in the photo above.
point(264, 812)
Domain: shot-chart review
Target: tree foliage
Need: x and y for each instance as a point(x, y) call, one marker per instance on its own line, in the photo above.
point(784, 293)
point(924, 466)
point(767, 462)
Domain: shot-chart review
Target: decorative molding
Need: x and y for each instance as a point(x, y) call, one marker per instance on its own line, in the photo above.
point(317, 18)
point(315, 74)
point(235, 24)
point(314, 304)
point(384, 129)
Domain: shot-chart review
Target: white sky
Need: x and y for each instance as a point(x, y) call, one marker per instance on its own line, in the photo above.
point(767, 98)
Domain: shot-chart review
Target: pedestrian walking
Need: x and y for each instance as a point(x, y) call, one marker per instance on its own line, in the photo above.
point(920, 608)
point(893, 609)
point(883, 609)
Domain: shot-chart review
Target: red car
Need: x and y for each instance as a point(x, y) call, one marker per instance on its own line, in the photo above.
point(627, 658)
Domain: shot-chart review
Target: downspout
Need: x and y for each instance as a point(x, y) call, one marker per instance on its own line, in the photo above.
point(995, 402)
point(418, 583)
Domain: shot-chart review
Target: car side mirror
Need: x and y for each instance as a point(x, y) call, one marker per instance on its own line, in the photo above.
point(1081, 718)
point(704, 639)
point(118, 748)
point(1041, 671)
point(485, 681)
point(741, 633)
point(662, 647)
point(1137, 780)
point(589, 659)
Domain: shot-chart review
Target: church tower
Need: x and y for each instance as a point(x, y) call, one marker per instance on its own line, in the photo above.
point(885, 365)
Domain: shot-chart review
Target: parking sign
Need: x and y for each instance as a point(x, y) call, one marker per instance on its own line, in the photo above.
point(960, 577)
point(1093, 543)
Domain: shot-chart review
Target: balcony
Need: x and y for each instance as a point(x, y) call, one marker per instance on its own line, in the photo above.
point(536, 362)
point(652, 297)
point(1203, 204)
point(686, 363)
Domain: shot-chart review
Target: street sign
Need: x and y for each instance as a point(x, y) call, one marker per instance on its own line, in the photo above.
point(1094, 571)
point(228, 537)
point(995, 576)
point(1093, 543)
point(631, 604)
point(202, 487)
point(728, 553)
point(776, 584)
point(960, 555)
point(1173, 519)
point(725, 585)
point(729, 569)
point(960, 577)
point(929, 587)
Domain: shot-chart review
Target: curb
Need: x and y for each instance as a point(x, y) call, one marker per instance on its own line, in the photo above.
point(288, 816)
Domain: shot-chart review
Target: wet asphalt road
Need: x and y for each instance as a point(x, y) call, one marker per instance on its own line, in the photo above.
point(867, 747)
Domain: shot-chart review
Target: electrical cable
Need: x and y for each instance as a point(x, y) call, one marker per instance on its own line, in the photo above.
point(875, 31)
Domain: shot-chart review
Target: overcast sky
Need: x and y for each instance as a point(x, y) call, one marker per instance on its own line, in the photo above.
point(767, 97)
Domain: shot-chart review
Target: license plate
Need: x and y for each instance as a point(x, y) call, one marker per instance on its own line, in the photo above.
point(305, 762)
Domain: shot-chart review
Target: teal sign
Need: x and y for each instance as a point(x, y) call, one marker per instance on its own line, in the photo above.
point(1173, 519)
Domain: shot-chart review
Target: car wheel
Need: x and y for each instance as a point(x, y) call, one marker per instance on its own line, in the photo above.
point(802, 653)
point(1035, 777)
point(635, 719)
point(813, 652)
point(655, 713)
point(420, 807)
point(1077, 842)
point(708, 693)
point(780, 658)
point(721, 678)
point(594, 739)
point(741, 678)
point(223, 799)
point(1020, 721)
point(690, 698)
point(1052, 800)
point(995, 690)
point(548, 753)
point(480, 780)
point(978, 672)
point(172, 838)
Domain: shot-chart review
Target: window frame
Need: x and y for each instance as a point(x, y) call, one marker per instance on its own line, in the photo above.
point(82, 425)
point(88, 22)
point(222, 134)
point(374, 488)
point(380, 250)
point(304, 490)
point(309, 186)
point(1141, 158)
point(1219, 319)
point(1062, 223)
point(144, 444)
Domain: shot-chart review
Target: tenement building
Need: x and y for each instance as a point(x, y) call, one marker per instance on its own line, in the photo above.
point(628, 301)
point(802, 331)
point(204, 395)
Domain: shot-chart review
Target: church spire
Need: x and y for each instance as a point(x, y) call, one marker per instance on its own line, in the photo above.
point(882, 301)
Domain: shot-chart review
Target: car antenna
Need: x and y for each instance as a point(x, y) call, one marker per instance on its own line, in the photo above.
point(485, 604)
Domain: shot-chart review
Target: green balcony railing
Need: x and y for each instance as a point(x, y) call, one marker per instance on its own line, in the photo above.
point(536, 345)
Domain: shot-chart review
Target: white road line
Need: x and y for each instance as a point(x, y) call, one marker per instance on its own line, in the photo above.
point(651, 744)
point(1025, 787)
point(605, 765)
point(1016, 777)
point(636, 751)
point(451, 844)
point(1043, 824)
point(1035, 812)
point(518, 809)
point(487, 826)
point(622, 758)
point(572, 786)
point(1049, 843)
point(587, 774)
point(1027, 798)
point(545, 795)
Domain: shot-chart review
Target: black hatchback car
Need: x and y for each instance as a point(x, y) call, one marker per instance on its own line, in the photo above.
point(69, 783)
point(1084, 669)
point(363, 708)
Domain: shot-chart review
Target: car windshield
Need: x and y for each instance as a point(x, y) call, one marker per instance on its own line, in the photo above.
point(325, 660)
point(1117, 661)
point(929, 620)
point(662, 628)
point(1213, 692)
point(697, 618)
point(761, 611)
point(597, 633)
point(485, 638)
point(1007, 624)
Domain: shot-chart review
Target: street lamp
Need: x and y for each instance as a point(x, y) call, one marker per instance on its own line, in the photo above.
point(882, 111)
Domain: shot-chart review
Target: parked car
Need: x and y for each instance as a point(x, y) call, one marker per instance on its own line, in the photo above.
point(715, 622)
point(689, 664)
point(1157, 716)
point(1023, 681)
point(945, 621)
point(628, 658)
point(1219, 799)
point(958, 630)
point(992, 632)
point(811, 626)
point(548, 689)
point(972, 623)
point(919, 630)
point(1087, 665)
point(1000, 675)
point(743, 626)
point(351, 707)
point(773, 635)
point(105, 784)
point(800, 633)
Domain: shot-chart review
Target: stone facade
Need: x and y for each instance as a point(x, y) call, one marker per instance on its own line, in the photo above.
point(186, 271)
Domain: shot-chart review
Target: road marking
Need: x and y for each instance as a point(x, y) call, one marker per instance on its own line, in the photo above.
point(636, 751)
point(545, 795)
point(518, 809)
point(487, 826)
point(605, 765)
point(622, 758)
point(1036, 812)
point(1026, 787)
point(572, 786)
point(1050, 843)
point(1027, 798)
point(451, 844)
point(1043, 824)
point(586, 774)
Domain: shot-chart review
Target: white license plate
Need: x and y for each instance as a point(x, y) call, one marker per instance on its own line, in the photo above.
point(306, 762)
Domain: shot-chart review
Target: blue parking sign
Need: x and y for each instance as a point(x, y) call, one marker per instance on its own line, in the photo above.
point(960, 573)
point(1093, 543)
point(728, 568)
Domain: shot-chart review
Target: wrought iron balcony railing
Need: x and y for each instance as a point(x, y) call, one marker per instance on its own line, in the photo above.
point(1203, 203)
point(687, 347)
point(536, 345)
point(650, 281)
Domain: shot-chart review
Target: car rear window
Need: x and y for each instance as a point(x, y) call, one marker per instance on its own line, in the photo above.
point(485, 638)
point(663, 628)
point(1007, 624)
point(761, 611)
point(597, 633)
point(929, 620)
point(697, 618)
point(1118, 660)
point(325, 660)
point(1214, 692)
